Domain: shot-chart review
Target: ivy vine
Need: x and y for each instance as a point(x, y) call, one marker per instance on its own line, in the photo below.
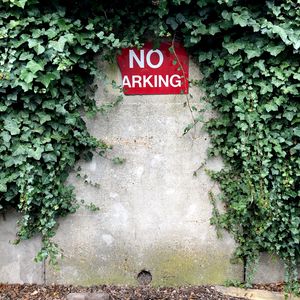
point(248, 52)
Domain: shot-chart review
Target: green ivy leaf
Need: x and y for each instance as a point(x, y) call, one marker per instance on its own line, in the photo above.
point(47, 78)
point(3, 186)
point(20, 3)
point(240, 19)
point(297, 131)
point(27, 76)
point(26, 56)
point(39, 49)
point(49, 157)
point(289, 115)
point(37, 153)
point(172, 22)
point(58, 45)
point(253, 52)
point(275, 49)
point(12, 126)
point(32, 43)
point(80, 50)
point(34, 67)
point(44, 117)
point(271, 107)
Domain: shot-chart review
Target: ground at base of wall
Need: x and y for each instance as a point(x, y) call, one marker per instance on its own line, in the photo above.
point(60, 292)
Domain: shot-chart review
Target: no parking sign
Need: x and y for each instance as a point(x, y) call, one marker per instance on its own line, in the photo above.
point(146, 71)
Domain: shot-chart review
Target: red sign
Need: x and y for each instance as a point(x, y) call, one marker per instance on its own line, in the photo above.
point(147, 71)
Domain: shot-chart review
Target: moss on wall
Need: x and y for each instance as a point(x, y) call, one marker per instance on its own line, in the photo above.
point(169, 267)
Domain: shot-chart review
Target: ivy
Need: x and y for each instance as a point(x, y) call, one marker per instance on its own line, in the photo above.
point(248, 52)
point(251, 69)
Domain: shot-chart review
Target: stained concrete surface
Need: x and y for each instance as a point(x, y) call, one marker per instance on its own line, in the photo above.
point(154, 214)
point(17, 261)
point(269, 269)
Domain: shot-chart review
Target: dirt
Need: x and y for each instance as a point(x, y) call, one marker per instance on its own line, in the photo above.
point(273, 287)
point(59, 292)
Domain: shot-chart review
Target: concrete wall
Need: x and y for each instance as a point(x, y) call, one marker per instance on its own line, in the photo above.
point(16, 261)
point(154, 214)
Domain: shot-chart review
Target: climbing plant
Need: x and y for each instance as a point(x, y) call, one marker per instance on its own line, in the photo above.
point(248, 52)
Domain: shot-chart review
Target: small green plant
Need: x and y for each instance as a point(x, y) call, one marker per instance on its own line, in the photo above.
point(118, 160)
point(235, 283)
point(92, 207)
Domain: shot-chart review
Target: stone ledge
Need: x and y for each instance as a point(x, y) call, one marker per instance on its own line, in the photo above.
point(88, 296)
point(253, 294)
